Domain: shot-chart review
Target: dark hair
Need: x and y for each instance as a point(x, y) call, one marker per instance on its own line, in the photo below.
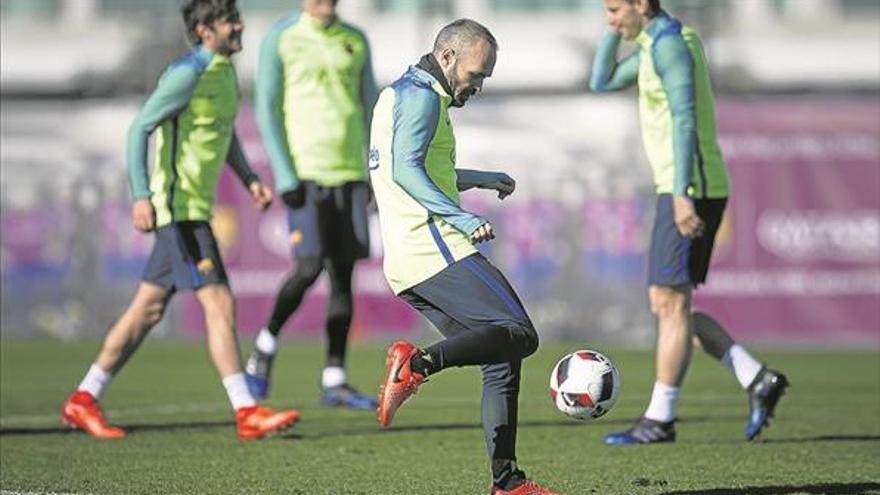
point(653, 4)
point(461, 33)
point(205, 12)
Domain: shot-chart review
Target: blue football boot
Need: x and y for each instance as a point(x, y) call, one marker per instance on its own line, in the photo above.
point(644, 431)
point(347, 396)
point(764, 393)
point(257, 371)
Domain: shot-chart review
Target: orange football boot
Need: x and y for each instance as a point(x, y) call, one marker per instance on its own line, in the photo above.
point(400, 380)
point(81, 410)
point(527, 488)
point(258, 421)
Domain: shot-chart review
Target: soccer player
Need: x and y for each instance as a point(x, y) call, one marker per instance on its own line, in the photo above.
point(430, 258)
point(194, 106)
point(314, 95)
point(678, 130)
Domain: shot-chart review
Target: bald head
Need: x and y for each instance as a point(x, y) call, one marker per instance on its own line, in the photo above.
point(465, 50)
point(463, 34)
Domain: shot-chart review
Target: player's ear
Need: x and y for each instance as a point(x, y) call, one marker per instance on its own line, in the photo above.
point(203, 32)
point(447, 57)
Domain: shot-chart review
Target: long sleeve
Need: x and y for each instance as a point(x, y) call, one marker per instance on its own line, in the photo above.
point(674, 65)
point(170, 97)
point(369, 91)
point(239, 163)
point(609, 74)
point(268, 100)
point(415, 121)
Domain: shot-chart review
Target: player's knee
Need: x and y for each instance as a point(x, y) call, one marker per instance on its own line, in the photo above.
point(527, 338)
point(153, 313)
point(667, 302)
point(340, 307)
point(307, 270)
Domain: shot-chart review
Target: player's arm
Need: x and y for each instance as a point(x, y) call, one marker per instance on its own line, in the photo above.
point(674, 65)
point(498, 181)
point(369, 93)
point(415, 121)
point(237, 160)
point(268, 103)
point(170, 97)
point(609, 74)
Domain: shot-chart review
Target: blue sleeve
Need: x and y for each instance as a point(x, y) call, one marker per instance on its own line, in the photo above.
point(170, 97)
point(674, 65)
point(268, 107)
point(239, 163)
point(369, 92)
point(609, 74)
point(415, 121)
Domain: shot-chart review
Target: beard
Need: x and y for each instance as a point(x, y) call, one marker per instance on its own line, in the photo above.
point(230, 45)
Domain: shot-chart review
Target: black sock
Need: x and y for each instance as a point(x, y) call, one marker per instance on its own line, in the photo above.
point(425, 363)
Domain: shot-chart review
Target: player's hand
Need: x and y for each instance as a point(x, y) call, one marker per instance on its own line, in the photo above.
point(143, 216)
point(483, 233)
point(686, 219)
point(296, 197)
point(261, 194)
point(501, 182)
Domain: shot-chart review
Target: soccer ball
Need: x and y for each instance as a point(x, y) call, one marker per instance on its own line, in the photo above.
point(584, 384)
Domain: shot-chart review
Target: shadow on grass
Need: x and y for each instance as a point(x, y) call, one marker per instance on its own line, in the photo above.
point(826, 438)
point(816, 489)
point(367, 430)
point(55, 430)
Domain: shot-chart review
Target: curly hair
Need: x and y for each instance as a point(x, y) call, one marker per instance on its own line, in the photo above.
point(205, 12)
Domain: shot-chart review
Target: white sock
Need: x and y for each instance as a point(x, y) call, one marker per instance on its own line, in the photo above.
point(95, 381)
point(738, 360)
point(664, 403)
point(333, 376)
point(237, 390)
point(266, 342)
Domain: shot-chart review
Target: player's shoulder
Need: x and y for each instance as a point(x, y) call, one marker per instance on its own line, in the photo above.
point(284, 23)
point(353, 31)
point(414, 89)
point(666, 29)
point(188, 68)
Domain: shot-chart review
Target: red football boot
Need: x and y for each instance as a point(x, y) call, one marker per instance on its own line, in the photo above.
point(527, 488)
point(258, 421)
point(81, 410)
point(400, 380)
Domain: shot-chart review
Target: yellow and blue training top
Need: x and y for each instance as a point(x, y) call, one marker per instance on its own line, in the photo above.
point(314, 89)
point(194, 105)
point(676, 105)
point(412, 169)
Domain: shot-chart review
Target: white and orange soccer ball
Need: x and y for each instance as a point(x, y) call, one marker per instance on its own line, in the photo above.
point(584, 384)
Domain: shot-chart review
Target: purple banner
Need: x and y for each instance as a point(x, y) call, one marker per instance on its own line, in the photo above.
point(798, 256)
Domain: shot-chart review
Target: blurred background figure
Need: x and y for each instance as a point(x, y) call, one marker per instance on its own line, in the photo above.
point(796, 259)
point(314, 96)
point(677, 114)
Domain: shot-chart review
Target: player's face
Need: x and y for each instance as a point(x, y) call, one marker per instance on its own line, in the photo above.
point(468, 70)
point(226, 34)
point(624, 17)
point(323, 10)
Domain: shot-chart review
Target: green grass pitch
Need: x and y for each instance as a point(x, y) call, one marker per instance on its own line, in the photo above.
point(826, 438)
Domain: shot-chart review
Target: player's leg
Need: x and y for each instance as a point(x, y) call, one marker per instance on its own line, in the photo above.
point(345, 239)
point(669, 294)
point(204, 272)
point(336, 389)
point(81, 409)
point(764, 386)
point(485, 324)
point(306, 245)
